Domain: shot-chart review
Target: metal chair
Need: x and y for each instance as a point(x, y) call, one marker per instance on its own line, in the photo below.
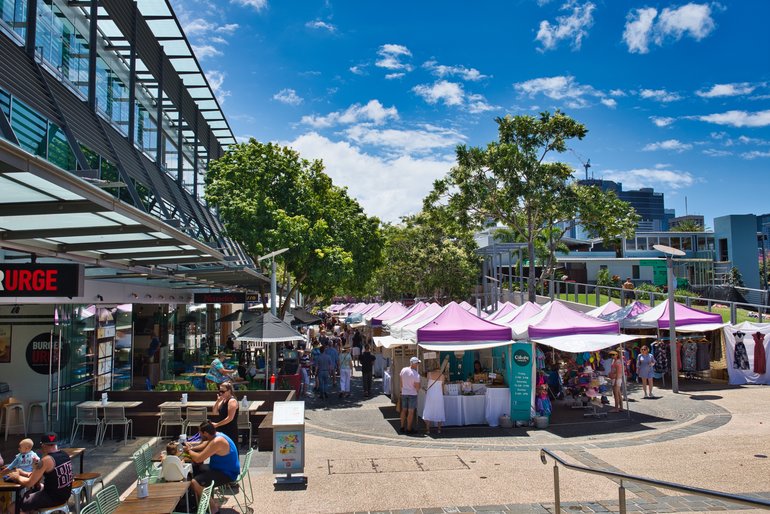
point(194, 417)
point(91, 508)
point(244, 424)
point(170, 416)
point(243, 484)
point(203, 501)
point(59, 508)
point(43, 407)
point(16, 409)
point(108, 500)
point(78, 487)
point(116, 416)
point(153, 472)
point(86, 416)
point(89, 479)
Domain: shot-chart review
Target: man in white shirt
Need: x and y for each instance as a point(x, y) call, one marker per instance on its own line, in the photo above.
point(410, 383)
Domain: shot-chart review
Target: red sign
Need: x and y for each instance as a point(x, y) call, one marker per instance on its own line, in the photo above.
point(219, 298)
point(41, 280)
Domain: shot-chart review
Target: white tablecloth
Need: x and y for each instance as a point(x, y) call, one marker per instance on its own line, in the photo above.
point(497, 402)
point(453, 410)
point(473, 410)
point(386, 382)
point(380, 363)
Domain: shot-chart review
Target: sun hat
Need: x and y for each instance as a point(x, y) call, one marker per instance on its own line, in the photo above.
point(414, 360)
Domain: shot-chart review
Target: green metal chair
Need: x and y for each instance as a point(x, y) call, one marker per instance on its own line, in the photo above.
point(203, 501)
point(108, 500)
point(91, 508)
point(244, 484)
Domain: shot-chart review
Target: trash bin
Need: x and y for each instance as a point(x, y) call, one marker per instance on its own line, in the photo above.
point(289, 443)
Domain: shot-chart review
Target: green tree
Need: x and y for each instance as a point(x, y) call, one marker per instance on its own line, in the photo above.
point(428, 256)
point(734, 278)
point(514, 181)
point(686, 226)
point(270, 198)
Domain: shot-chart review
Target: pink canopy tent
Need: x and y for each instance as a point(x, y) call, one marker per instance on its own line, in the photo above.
point(412, 311)
point(468, 307)
point(368, 308)
point(524, 312)
point(394, 310)
point(657, 317)
point(380, 308)
point(603, 310)
point(407, 328)
point(504, 309)
point(562, 321)
point(455, 324)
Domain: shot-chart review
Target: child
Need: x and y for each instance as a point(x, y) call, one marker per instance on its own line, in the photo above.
point(172, 469)
point(26, 458)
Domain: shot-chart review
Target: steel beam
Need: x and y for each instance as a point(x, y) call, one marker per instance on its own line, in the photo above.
point(31, 29)
point(112, 245)
point(55, 233)
point(92, 53)
point(41, 208)
point(132, 77)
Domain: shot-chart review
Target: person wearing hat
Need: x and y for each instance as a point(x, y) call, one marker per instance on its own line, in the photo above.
point(616, 375)
point(53, 472)
point(410, 383)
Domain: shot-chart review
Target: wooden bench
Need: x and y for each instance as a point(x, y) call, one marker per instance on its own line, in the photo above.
point(265, 434)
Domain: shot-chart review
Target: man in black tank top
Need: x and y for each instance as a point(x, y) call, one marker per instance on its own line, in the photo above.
point(53, 472)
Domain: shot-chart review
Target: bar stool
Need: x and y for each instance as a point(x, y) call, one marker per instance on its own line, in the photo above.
point(18, 410)
point(89, 479)
point(59, 508)
point(77, 489)
point(43, 406)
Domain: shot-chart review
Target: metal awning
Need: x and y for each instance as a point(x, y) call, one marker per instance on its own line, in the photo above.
point(50, 212)
point(241, 277)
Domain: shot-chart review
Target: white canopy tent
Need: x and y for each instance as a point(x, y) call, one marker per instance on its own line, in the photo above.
point(581, 343)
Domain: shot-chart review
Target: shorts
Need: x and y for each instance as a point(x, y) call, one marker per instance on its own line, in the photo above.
point(408, 401)
point(207, 475)
point(37, 499)
point(355, 352)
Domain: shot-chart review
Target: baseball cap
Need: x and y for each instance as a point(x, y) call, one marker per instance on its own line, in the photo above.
point(48, 438)
point(414, 360)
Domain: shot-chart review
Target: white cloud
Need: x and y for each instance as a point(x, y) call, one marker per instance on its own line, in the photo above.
point(357, 70)
point(617, 92)
point(478, 104)
point(391, 76)
point(258, 5)
point(572, 27)
point(609, 102)
point(642, 28)
point(391, 55)
point(450, 93)
point(737, 118)
point(216, 79)
point(754, 154)
point(441, 71)
point(737, 89)
point(753, 141)
point(659, 177)
point(661, 95)
point(321, 25)
point(669, 144)
point(662, 121)
point(387, 188)
point(373, 112)
point(712, 152)
point(428, 138)
point(638, 29)
point(564, 88)
point(288, 96)
point(206, 51)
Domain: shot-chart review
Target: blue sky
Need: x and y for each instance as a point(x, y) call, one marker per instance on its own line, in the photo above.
point(675, 95)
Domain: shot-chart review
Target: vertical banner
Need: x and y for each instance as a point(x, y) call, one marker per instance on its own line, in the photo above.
point(520, 381)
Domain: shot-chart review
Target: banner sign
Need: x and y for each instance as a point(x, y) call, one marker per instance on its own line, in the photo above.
point(41, 280)
point(254, 297)
point(520, 381)
point(41, 358)
point(219, 298)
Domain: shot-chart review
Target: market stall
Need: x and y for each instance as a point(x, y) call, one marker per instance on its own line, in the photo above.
point(503, 310)
point(747, 356)
point(602, 310)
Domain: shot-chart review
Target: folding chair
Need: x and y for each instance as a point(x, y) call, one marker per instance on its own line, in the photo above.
point(86, 416)
point(194, 417)
point(108, 500)
point(116, 416)
point(243, 483)
point(169, 417)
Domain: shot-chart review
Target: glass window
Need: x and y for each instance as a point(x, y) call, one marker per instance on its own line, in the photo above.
point(631, 243)
point(91, 156)
point(5, 103)
point(635, 271)
point(687, 243)
point(30, 128)
point(59, 151)
point(14, 15)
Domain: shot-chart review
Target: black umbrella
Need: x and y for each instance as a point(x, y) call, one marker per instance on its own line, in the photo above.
point(239, 315)
point(266, 328)
point(303, 317)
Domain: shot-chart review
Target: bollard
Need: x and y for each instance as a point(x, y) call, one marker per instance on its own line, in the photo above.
point(272, 382)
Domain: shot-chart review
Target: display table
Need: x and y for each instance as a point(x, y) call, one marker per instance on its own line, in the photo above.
point(380, 365)
point(386, 382)
point(453, 410)
point(473, 409)
point(497, 403)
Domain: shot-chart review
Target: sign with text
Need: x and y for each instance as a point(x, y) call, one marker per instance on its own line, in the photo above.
point(253, 297)
point(219, 298)
point(42, 357)
point(520, 380)
point(41, 279)
point(288, 454)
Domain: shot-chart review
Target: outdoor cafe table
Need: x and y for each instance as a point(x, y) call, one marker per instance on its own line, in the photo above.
point(97, 404)
point(12, 487)
point(253, 405)
point(75, 452)
point(162, 499)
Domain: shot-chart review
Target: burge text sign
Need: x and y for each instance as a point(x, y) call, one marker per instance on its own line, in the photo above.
point(41, 280)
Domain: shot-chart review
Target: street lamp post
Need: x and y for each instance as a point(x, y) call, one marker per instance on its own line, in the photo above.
point(670, 254)
point(273, 298)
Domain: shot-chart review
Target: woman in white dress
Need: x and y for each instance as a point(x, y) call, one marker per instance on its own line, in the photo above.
point(434, 400)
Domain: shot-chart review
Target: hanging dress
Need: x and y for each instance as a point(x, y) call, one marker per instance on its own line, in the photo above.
point(760, 358)
point(741, 357)
point(690, 356)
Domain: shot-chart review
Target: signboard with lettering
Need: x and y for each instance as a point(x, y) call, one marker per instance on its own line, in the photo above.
point(41, 279)
point(43, 359)
point(520, 380)
point(219, 298)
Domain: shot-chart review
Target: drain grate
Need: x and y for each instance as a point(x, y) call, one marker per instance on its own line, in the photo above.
point(396, 465)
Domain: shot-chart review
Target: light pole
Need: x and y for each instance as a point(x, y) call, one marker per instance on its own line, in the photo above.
point(273, 295)
point(670, 254)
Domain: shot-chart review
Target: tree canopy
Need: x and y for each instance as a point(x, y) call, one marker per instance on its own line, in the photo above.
point(269, 198)
point(514, 182)
point(686, 225)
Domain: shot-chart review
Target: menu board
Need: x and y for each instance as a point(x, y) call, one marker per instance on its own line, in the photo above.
point(520, 381)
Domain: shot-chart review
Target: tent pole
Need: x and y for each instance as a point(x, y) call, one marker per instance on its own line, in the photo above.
point(625, 388)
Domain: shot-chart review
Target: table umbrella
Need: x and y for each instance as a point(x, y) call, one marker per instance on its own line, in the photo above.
point(239, 315)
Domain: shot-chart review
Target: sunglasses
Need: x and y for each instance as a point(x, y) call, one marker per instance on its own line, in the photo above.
point(223, 390)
